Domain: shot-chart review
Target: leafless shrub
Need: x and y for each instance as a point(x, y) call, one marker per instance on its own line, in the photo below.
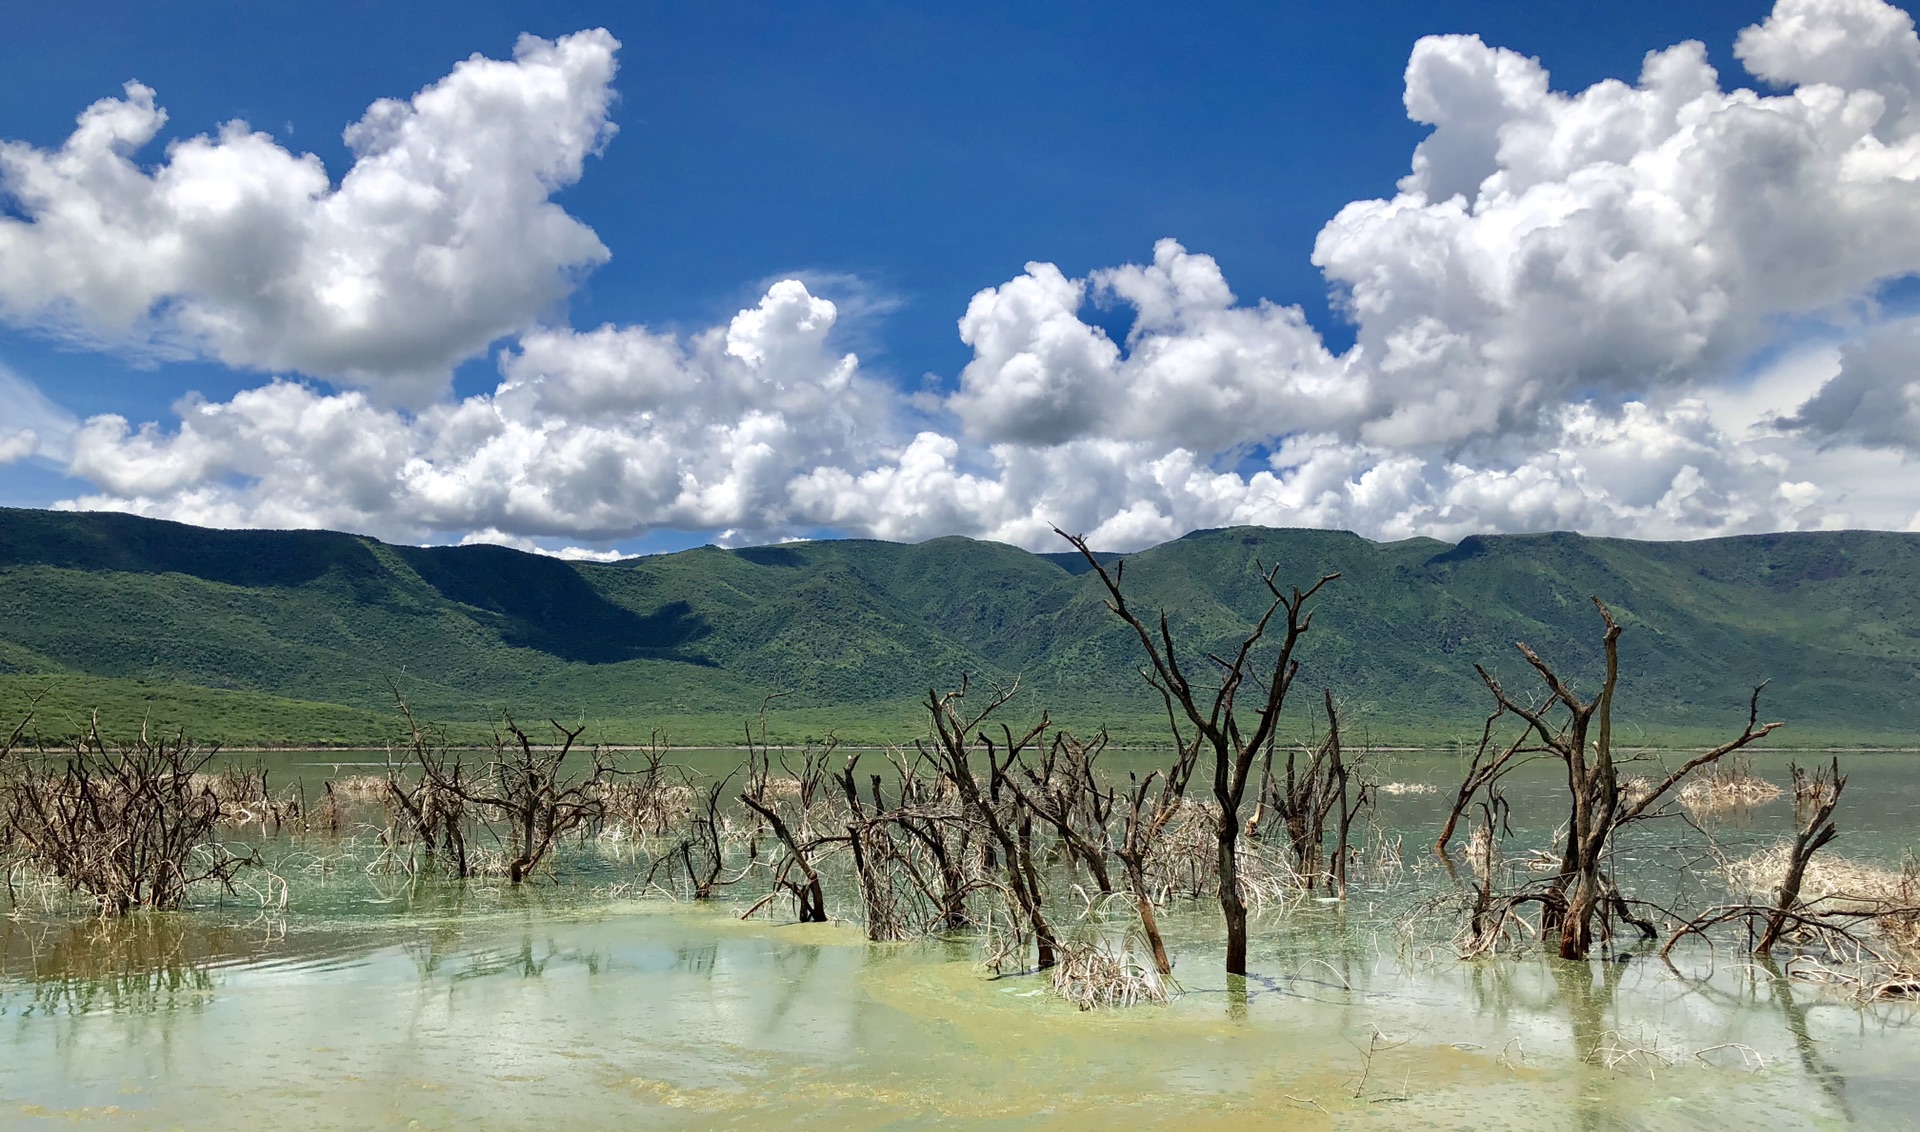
point(428, 784)
point(359, 788)
point(247, 799)
point(1634, 788)
point(526, 795)
point(1851, 925)
point(530, 800)
point(918, 858)
point(127, 825)
point(763, 796)
point(1182, 860)
point(1313, 791)
point(958, 741)
point(644, 807)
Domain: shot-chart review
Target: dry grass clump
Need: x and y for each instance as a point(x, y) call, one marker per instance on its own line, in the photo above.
point(1811, 791)
point(1094, 974)
point(1847, 890)
point(642, 808)
point(1482, 852)
point(246, 798)
point(1726, 788)
point(1185, 859)
point(1268, 878)
point(1832, 883)
point(360, 787)
point(1634, 787)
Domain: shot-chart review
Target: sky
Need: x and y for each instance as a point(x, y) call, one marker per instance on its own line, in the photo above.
point(606, 279)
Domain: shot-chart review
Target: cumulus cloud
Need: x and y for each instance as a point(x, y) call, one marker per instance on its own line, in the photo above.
point(440, 239)
point(600, 434)
point(1557, 317)
point(1198, 371)
point(1874, 399)
point(1623, 241)
point(1638, 471)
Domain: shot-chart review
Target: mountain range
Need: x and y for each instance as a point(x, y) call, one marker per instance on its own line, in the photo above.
point(298, 637)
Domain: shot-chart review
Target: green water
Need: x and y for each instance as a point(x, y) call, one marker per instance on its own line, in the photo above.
point(365, 1003)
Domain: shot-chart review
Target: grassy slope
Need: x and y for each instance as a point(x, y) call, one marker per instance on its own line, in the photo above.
point(293, 636)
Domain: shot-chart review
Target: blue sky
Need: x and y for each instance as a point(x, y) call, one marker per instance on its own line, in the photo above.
point(899, 159)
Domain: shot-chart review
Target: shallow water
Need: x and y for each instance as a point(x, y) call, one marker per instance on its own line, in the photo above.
point(365, 1003)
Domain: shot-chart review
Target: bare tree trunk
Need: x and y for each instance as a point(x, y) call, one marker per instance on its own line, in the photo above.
point(1233, 909)
point(1337, 774)
point(1149, 922)
point(810, 897)
point(1812, 836)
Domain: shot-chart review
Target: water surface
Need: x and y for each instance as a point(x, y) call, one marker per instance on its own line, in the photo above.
point(368, 1002)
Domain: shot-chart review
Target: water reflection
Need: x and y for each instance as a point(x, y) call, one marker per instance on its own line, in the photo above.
point(142, 964)
point(1818, 1068)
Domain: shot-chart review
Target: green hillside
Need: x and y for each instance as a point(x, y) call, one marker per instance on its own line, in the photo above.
point(293, 636)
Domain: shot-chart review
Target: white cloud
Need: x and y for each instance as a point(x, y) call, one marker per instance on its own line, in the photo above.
point(1637, 471)
point(1559, 315)
point(18, 444)
point(30, 424)
point(1874, 397)
point(492, 537)
point(439, 240)
point(599, 435)
point(1622, 241)
point(1198, 371)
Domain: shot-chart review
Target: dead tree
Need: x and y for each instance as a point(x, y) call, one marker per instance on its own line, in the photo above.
point(873, 851)
point(1011, 832)
point(1812, 836)
point(937, 832)
point(1306, 798)
point(1490, 761)
point(1579, 732)
point(1063, 792)
point(1338, 773)
point(645, 800)
point(807, 892)
point(1818, 794)
point(1145, 822)
point(429, 792)
point(705, 835)
point(534, 799)
point(524, 794)
point(1216, 719)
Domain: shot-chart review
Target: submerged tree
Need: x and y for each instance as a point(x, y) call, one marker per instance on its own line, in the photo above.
point(526, 794)
point(1218, 722)
point(1580, 898)
point(1008, 826)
